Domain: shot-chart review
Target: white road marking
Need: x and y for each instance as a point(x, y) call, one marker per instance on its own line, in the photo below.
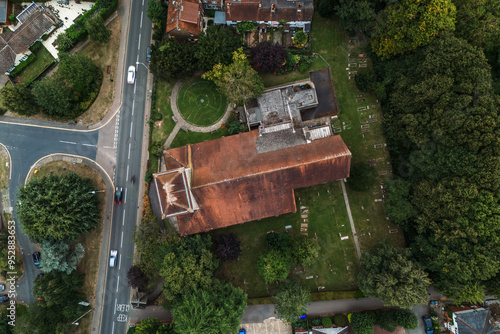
point(143, 2)
point(117, 283)
point(121, 245)
point(142, 13)
point(123, 222)
point(91, 145)
point(67, 142)
point(139, 45)
point(131, 125)
point(133, 106)
point(127, 174)
point(116, 300)
point(125, 199)
point(113, 328)
point(129, 151)
point(120, 262)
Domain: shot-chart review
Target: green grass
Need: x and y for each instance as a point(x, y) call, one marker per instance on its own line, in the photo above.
point(189, 137)
point(43, 59)
point(200, 103)
point(327, 218)
point(271, 80)
point(162, 130)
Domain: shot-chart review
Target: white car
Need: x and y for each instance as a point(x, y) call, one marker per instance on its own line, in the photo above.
point(131, 75)
point(112, 258)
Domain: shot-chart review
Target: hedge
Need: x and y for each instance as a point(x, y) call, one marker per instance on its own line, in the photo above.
point(18, 69)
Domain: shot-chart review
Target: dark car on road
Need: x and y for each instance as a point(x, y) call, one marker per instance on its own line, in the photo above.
point(148, 54)
point(36, 260)
point(118, 195)
point(429, 327)
point(3, 298)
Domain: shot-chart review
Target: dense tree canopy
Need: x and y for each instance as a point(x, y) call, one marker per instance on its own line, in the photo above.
point(173, 60)
point(291, 302)
point(409, 24)
point(78, 71)
point(355, 15)
point(58, 207)
point(216, 46)
point(137, 278)
point(274, 266)
point(157, 11)
point(97, 30)
point(305, 250)
point(268, 57)
point(478, 21)
point(54, 97)
point(60, 256)
point(213, 311)
point(389, 274)
point(239, 82)
point(20, 99)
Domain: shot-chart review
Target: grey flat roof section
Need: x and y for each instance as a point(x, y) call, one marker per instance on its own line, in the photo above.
point(220, 18)
point(3, 11)
point(327, 101)
point(279, 140)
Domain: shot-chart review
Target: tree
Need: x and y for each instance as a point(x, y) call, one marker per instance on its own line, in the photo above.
point(268, 57)
point(39, 320)
point(97, 30)
point(157, 12)
point(326, 8)
point(227, 247)
point(151, 326)
point(54, 97)
point(300, 39)
point(362, 176)
point(304, 250)
point(59, 289)
point(58, 207)
point(362, 323)
point(78, 71)
point(59, 256)
point(465, 293)
point(63, 42)
point(291, 302)
point(216, 46)
point(5, 328)
point(173, 60)
point(188, 266)
point(410, 24)
point(213, 311)
point(238, 81)
point(398, 205)
point(478, 21)
point(278, 241)
point(136, 278)
point(273, 266)
point(389, 274)
point(406, 319)
point(365, 81)
point(355, 15)
point(20, 100)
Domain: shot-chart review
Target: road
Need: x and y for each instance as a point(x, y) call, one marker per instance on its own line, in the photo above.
point(116, 307)
point(26, 145)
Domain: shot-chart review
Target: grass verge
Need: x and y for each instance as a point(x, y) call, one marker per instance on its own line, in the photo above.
point(189, 137)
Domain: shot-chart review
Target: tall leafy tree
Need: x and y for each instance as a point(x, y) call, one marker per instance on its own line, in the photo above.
point(274, 265)
point(157, 12)
point(227, 247)
point(216, 46)
point(478, 21)
point(305, 250)
point(5, 327)
point(20, 100)
point(239, 82)
point(77, 70)
point(389, 274)
point(409, 24)
point(54, 97)
point(213, 311)
point(59, 289)
point(355, 15)
point(64, 42)
point(57, 207)
point(97, 30)
point(39, 320)
point(291, 302)
point(60, 256)
point(188, 266)
point(173, 60)
point(268, 57)
point(136, 278)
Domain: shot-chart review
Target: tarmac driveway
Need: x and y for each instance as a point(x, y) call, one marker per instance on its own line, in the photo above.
point(268, 326)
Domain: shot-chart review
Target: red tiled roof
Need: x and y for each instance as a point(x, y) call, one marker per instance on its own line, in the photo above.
point(184, 15)
point(233, 184)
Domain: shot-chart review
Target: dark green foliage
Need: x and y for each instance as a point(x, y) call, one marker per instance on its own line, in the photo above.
point(157, 11)
point(5, 328)
point(273, 266)
point(406, 319)
point(36, 46)
point(340, 320)
point(241, 27)
point(58, 207)
point(173, 60)
point(304, 250)
point(60, 256)
point(97, 30)
point(355, 15)
point(39, 320)
point(386, 319)
point(212, 311)
point(291, 302)
point(326, 8)
point(326, 322)
point(365, 81)
point(389, 274)
point(136, 278)
point(151, 326)
point(55, 98)
point(398, 203)
point(300, 39)
point(291, 61)
point(478, 21)
point(216, 46)
point(362, 176)
point(22, 65)
point(78, 71)
point(64, 42)
point(279, 241)
point(362, 323)
point(316, 322)
point(20, 99)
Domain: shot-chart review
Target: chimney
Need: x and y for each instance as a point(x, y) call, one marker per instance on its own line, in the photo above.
point(273, 8)
point(299, 7)
point(260, 4)
point(228, 8)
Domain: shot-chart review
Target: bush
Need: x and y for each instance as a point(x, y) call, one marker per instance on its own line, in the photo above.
point(316, 322)
point(210, 22)
point(158, 116)
point(365, 81)
point(362, 176)
point(279, 241)
point(362, 322)
point(326, 322)
point(340, 320)
point(406, 319)
point(299, 39)
point(2, 110)
point(36, 46)
point(45, 37)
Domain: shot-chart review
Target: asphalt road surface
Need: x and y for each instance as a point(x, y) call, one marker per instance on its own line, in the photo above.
point(27, 144)
point(116, 309)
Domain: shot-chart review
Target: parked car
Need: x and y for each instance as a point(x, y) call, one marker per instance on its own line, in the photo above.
point(131, 75)
point(118, 195)
point(242, 331)
point(2, 286)
point(148, 54)
point(429, 327)
point(112, 258)
point(36, 260)
point(3, 298)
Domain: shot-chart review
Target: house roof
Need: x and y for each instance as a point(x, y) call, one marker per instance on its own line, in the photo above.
point(232, 183)
point(7, 57)
point(473, 321)
point(261, 11)
point(184, 15)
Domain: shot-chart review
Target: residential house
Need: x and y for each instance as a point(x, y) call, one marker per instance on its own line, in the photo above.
point(14, 45)
point(184, 19)
point(470, 320)
point(296, 13)
point(212, 4)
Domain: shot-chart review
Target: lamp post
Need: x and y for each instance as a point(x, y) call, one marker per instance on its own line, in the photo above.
point(146, 66)
point(96, 191)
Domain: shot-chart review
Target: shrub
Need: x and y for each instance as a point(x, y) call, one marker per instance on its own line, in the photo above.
point(406, 319)
point(362, 323)
point(2, 110)
point(326, 322)
point(210, 22)
point(22, 65)
point(279, 241)
point(45, 37)
point(158, 116)
point(362, 176)
point(316, 322)
point(340, 320)
point(300, 39)
point(36, 46)
point(273, 266)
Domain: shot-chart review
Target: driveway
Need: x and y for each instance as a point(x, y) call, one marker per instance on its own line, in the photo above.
point(269, 326)
point(420, 311)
